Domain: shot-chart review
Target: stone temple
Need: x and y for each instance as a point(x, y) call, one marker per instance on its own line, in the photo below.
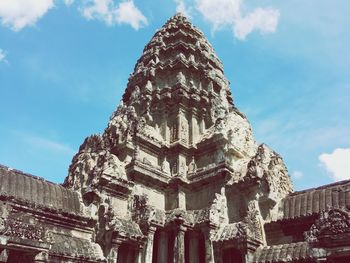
point(177, 176)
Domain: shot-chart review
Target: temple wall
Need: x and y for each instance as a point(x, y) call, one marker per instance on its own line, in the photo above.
point(155, 198)
point(235, 205)
point(147, 158)
point(120, 207)
point(203, 197)
point(205, 160)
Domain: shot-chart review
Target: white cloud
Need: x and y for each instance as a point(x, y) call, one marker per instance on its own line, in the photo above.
point(297, 175)
point(2, 56)
point(222, 13)
point(128, 13)
point(105, 10)
point(182, 8)
point(18, 14)
point(68, 2)
point(44, 143)
point(337, 163)
point(99, 9)
point(264, 20)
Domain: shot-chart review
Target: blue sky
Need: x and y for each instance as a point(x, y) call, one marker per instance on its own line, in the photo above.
point(64, 66)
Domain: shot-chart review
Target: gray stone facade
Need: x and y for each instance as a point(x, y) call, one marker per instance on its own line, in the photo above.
point(177, 176)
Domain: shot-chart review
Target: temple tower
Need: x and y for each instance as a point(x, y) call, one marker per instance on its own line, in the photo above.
point(177, 175)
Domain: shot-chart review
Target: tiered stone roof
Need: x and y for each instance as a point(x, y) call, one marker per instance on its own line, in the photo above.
point(293, 252)
point(313, 201)
point(177, 47)
point(37, 192)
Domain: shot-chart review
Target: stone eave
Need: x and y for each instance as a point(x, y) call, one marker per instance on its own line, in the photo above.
point(334, 242)
point(242, 243)
point(140, 172)
point(179, 146)
point(292, 252)
point(52, 215)
point(149, 144)
point(75, 258)
point(116, 186)
point(221, 170)
point(209, 144)
point(23, 244)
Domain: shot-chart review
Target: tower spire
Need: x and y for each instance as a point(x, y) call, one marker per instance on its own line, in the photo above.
point(174, 146)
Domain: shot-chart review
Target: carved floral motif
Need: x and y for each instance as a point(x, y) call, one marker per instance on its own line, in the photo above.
point(22, 226)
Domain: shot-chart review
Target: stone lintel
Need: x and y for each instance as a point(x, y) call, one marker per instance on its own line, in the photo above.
point(150, 145)
point(139, 172)
point(221, 171)
point(117, 187)
point(211, 144)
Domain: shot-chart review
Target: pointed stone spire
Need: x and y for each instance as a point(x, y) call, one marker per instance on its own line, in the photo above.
point(180, 48)
point(174, 142)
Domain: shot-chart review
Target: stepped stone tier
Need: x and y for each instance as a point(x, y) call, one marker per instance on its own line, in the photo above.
point(177, 176)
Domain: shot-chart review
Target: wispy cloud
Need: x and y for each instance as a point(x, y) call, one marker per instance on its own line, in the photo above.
point(3, 56)
point(44, 143)
point(337, 163)
point(18, 14)
point(124, 13)
point(68, 2)
point(223, 13)
point(182, 7)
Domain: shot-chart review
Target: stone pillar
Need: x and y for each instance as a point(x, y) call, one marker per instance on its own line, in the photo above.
point(209, 253)
point(195, 129)
point(3, 255)
point(179, 245)
point(148, 252)
point(138, 255)
point(181, 198)
point(165, 128)
point(163, 247)
point(113, 254)
point(202, 125)
point(41, 257)
point(194, 248)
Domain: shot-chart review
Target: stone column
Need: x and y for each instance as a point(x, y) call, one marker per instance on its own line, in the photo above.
point(41, 257)
point(179, 245)
point(209, 253)
point(163, 247)
point(202, 125)
point(148, 252)
point(138, 255)
point(3, 255)
point(113, 254)
point(194, 248)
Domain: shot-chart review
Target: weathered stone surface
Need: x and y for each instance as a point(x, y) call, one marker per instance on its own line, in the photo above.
point(176, 176)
